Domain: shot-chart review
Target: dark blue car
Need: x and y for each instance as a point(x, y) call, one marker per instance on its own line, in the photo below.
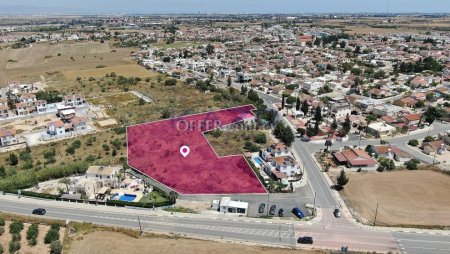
point(298, 212)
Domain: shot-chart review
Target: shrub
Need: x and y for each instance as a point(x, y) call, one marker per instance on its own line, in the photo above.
point(32, 231)
point(15, 227)
point(70, 150)
point(413, 142)
point(56, 247)
point(55, 226)
point(2, 230)
point(16, 237)
point(52, 235)
point(251, 147)
point(1, 249)
point(14, 246)
point(170, 82)
point(260, 138)
point(2, 221)
point(32, 242)
point(412, 164)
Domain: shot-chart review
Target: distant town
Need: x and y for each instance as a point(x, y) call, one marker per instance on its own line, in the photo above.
point(294, 131)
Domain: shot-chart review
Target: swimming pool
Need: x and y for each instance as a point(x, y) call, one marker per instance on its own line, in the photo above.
point(258, 160)
point(124, 197)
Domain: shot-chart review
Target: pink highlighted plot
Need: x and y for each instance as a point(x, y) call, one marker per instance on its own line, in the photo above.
point(176, 153)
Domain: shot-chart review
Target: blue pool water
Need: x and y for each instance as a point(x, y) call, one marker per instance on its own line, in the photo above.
point(258, 160)
point(125, 197)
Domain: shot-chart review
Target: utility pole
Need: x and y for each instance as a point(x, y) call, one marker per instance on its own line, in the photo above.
point(376, 213)
point(314, 203)
point(140, 226)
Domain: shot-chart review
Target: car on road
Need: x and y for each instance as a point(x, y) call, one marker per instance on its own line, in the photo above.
point(305, 240)
point(281, 212)
point(262, 207)
point(39, 211)
point(337, 213)
point(297, 212)
point(272, 210)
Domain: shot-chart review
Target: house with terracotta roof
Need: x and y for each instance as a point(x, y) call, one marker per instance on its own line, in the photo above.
point(56, 128)
point(8, 137)
point(408, 102)
point(390, 152)
point(355, 159)
point(411, 119)
point(434, 147)
point(284, 164)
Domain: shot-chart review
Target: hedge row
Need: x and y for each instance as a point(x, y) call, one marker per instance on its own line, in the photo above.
point(29, 178)
point(137, 204)
point(39, 195)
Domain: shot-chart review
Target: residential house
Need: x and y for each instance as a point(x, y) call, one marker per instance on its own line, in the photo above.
point(408, 102)
point(105, 173)
point(79, 123)
point(411, 119)
point(8, 137)
point(437, 146)
point(355, 158)
point(380, 129)
point(341, 110)
point(391, 152)
point(73, 100)
point(56, 128)
point(284, 164)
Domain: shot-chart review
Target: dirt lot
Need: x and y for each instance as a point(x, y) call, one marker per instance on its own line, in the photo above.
point(74, 58)
point(232, 142)
point(408, 198)
point(110, 243)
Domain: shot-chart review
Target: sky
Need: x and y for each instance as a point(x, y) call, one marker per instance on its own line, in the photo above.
point(220, 6)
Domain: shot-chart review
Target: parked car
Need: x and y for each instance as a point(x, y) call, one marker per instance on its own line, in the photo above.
point(305, 240)
point(297, 212)
point(39, 211)
point(262, 207)
point(281, 212)
point(272, 210)
point(337, 213)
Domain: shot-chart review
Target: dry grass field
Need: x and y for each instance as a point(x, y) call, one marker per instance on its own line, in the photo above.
point(405, 198)
point(72, 58)
point(111, 243)
point(232, 142)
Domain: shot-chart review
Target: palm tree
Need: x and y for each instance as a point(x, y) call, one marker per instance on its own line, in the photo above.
point(65, 181)
point(173, 196)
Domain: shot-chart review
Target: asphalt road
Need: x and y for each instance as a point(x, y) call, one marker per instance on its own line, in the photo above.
point(263, 233)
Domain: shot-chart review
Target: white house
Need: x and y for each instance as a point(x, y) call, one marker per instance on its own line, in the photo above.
point(312, 86)
point(103, 172)
point(8, 137)
point(56, 128)
point(380, 129)
point(285, 164)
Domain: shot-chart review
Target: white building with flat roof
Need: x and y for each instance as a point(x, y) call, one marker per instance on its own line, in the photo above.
point(230, 206)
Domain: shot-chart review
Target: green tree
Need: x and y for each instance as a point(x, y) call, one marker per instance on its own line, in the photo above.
point(56, 247)
point(290, 100)
point(318, 115)
point(13, 160)
point(209, 49)
point(14, 246)
point(342, 180)
point(52, 235)
point(251, 147)
point(260, 138)
point(2, 172)
point(284, 134)
point(229, 81)
point(412, 164)
point(334, 124)
point(347, 125)
point(282, 101)
point(173, 196)
point(305, 107)
point(413, 142)
point(297, 104)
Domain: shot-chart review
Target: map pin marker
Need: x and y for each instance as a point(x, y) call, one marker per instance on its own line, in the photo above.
point(184, 150)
